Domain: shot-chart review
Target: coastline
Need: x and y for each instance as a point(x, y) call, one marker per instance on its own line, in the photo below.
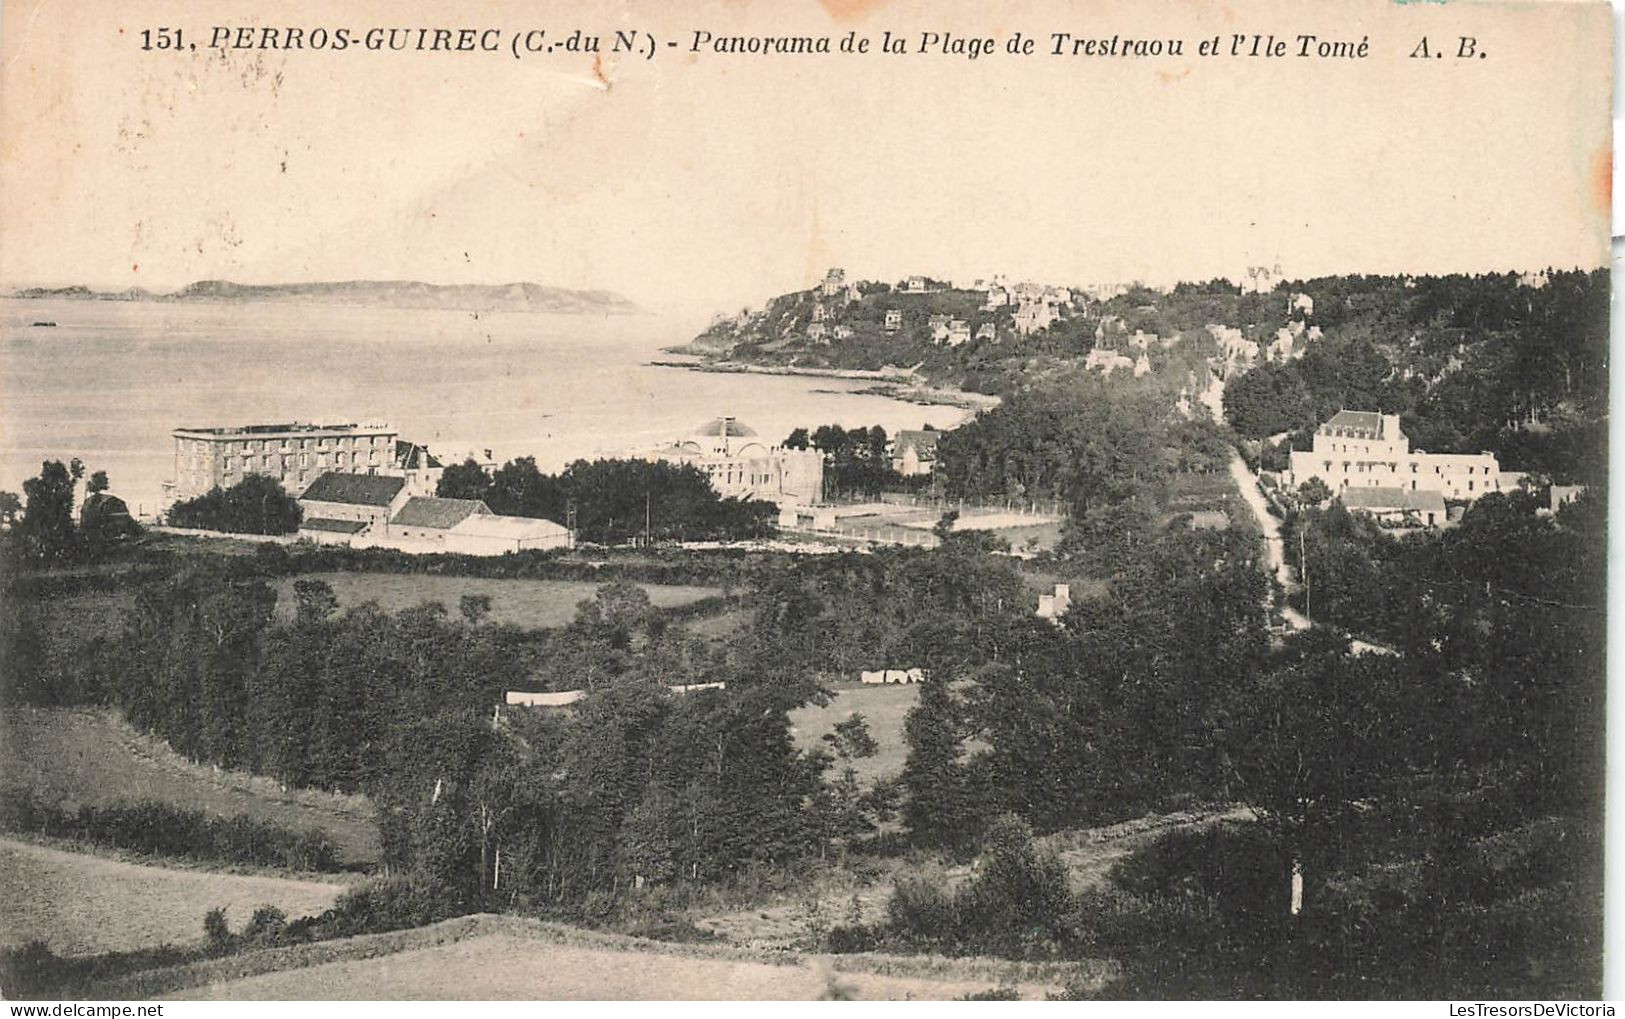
point(894, 384)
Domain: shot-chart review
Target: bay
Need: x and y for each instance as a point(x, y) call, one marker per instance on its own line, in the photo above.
point(111, 379)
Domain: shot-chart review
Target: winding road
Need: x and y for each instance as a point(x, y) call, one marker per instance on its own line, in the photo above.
point(1270, 527)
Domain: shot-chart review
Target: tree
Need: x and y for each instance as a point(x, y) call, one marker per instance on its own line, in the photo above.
point(10, 508)
point(466, 480)
point(315, 601)
point(97, 483)
point(1314, 492)
point(1308, 739)
point(797, 439)
point(258, 504)
point(851, 738)
point(48, 512)
point(939, 810)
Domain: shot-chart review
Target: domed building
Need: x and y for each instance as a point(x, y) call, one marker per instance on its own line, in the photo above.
point(741, 465)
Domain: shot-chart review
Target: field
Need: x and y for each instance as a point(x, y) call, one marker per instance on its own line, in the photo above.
point(82, 904)
point(88, 756)
point(487, 957)
point(528, 603)
point(883, 707)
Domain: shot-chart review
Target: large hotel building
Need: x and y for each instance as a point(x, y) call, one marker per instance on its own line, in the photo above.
point(295, 454)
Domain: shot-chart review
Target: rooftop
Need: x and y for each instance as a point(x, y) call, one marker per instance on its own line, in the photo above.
point(923, 441)
point(294, 428)
point(423, 511)
point(355, 489)
point(1359, 424)
point(489, 525)
point(1388, 499)
point(412, 457)
point(335, 526)
point(725, 427)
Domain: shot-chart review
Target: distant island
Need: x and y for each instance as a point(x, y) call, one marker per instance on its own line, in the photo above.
point(372, 293)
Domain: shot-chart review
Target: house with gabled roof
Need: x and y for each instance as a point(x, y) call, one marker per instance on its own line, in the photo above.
point(914, 452)
point(427, 518)
point(335, 502)
point(1397, 507)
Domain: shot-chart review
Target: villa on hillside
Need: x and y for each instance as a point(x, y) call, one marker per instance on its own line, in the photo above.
point(914, 452)
point(1260, 279)
point(1034, 316)
point(1367, 450)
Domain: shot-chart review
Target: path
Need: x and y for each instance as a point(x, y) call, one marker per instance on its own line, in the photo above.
point(1247, 484)
point(1270, 527)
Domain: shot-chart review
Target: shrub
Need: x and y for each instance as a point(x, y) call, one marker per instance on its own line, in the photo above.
point(266, 926)
point(215, 928)
point(387, 904)
point(164, 830)
point(1018, 906)
point(844, 939)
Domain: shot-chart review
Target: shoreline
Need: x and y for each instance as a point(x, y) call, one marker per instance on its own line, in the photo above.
point(895, 384)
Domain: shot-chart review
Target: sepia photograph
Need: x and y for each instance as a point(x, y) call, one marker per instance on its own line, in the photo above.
point(734, 500)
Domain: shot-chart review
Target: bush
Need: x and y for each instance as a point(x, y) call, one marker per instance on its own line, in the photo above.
point(845, 939)
point(1018, 906)
point(164, 830)
point(266, 926)
point(387, 904)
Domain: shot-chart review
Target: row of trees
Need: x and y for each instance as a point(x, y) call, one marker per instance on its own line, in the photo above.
point(857, 461)
point(614, 501)
point(258, 504)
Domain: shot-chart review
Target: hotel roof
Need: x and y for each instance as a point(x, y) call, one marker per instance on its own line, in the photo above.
point(1363, 424)
point(292, 428)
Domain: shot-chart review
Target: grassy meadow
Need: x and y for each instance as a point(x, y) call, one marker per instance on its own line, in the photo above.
point(79, 756)
point(486, 957)
point(883, 707)
point(84, 904)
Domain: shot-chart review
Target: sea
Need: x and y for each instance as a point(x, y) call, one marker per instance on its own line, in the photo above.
point(110, 380)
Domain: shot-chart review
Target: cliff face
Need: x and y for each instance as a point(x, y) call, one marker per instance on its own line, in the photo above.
point(384, 293)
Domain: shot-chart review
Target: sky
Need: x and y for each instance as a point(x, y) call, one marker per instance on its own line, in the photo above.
point(697, 182)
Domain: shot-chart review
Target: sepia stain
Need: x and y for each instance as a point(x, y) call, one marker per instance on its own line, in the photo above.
point(850, 10)
point(1602, 179)
point(1168, 77)
point(598, 71)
